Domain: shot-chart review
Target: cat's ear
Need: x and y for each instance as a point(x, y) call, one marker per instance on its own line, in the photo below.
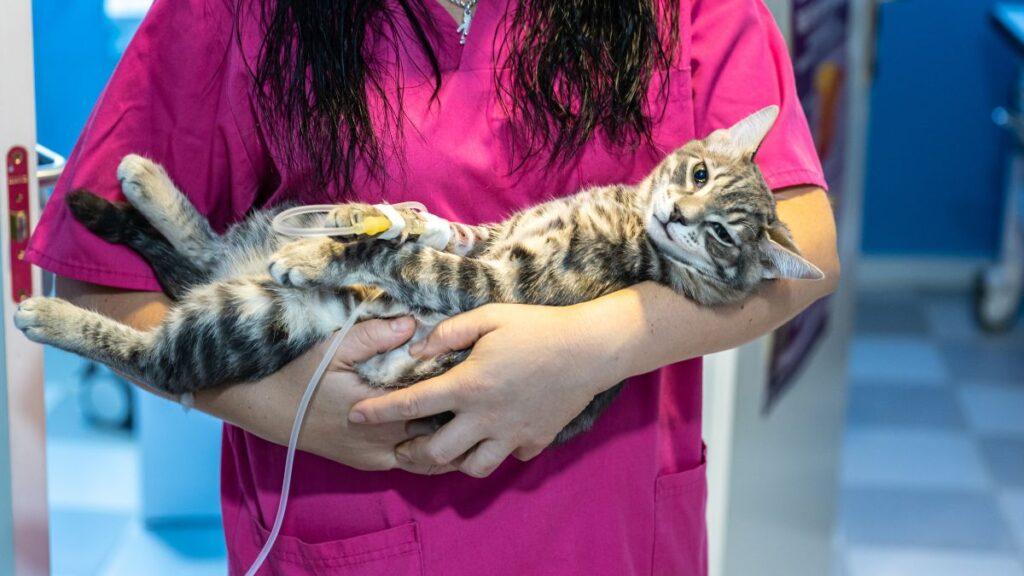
point(782, 259)
point(748, 134)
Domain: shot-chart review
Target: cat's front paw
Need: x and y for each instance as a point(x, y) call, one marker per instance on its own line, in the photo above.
point(305, 262)
point(44, 320)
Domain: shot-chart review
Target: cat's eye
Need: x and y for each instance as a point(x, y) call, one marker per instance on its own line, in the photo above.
point(721, 233)
point(700, 174)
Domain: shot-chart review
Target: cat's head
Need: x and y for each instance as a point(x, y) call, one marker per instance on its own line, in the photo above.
point(712, 214)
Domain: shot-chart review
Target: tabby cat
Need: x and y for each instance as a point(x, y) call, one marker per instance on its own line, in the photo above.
point(249, 301)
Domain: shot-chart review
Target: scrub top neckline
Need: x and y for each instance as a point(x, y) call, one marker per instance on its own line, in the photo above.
point(450, 52)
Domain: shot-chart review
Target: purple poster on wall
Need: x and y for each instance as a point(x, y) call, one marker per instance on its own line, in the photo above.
point(819, 35)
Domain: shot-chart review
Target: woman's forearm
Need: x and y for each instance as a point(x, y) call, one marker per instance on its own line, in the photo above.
point(650, 326)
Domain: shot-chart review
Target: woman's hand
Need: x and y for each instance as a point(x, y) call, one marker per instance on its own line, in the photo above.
point(532, 370)
point(267, 408)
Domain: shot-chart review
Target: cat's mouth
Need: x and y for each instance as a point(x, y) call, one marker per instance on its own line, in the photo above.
point(674, 252)
point(664, 227)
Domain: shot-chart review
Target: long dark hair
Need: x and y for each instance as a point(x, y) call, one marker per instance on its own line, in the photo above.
point(573, 67)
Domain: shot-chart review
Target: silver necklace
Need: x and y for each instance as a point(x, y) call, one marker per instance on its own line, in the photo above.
point(468, 8)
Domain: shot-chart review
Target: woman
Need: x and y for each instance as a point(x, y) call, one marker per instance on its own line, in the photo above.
point(317, 101)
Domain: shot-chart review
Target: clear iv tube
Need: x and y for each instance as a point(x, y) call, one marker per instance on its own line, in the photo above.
point(293, 441)
point(281, 222)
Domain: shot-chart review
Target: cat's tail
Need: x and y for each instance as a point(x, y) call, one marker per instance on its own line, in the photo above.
point(122, 223)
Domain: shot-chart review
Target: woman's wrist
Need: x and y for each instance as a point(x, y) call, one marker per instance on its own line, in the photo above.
point(264, 407)
point(629, 328)
point(228, 403)
point(610, 332)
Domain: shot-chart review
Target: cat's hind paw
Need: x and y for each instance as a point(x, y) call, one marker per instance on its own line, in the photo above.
point(44, 320)
point(140, 179)
point(304, 263)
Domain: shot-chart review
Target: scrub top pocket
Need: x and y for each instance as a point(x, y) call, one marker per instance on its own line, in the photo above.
point(393, 551)
point(680, 540)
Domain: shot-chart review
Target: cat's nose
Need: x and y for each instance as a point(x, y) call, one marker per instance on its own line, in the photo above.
point(679, 216)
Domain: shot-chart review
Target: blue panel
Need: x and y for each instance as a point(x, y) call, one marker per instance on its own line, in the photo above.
point(935, 167)
point(180, 462)
point(76, 48)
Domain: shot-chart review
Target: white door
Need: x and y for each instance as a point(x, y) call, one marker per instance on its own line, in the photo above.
point(24, 533)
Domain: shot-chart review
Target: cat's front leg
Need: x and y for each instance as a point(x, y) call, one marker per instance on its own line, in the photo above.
point(460, 239)
point(308, 262)
point(413, 274)
point(330, 263)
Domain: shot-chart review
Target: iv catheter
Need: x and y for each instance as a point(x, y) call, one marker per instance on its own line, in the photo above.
point(393, 220)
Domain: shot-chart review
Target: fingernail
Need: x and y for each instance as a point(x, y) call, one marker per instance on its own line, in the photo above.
point(417, 348)
point(401, 324)
point(402, 455)
point(356, 417)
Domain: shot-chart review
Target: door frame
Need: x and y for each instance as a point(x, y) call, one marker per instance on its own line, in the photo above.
point(24, 520)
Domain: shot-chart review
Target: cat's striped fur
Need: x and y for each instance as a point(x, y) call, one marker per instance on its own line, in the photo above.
point(249, 301)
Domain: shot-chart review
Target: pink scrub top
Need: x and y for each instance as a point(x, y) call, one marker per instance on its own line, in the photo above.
point(626, 498)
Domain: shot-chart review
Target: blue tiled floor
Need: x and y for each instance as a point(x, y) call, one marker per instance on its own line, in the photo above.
point(933, 466)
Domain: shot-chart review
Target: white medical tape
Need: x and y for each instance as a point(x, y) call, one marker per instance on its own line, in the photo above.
point(397, 222)
point(437, 232)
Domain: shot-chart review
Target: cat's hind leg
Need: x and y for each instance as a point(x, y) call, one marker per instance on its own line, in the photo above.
point(61, 324)
point(121, 223)
point(148, 187)
point(238, 330)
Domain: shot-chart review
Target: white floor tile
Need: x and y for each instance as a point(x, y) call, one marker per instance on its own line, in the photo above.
point(900, 562)
point(144, 552)
point(93, 476)
point(994, 409)
point(81, 541)
point(896, 360)
point(53, 396)
point(951, 317)
point(970, 521)
point(907, 458)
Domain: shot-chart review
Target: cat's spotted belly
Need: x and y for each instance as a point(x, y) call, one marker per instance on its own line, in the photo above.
point(397, 368)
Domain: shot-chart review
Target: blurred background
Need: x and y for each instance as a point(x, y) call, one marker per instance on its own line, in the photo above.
point(879, 434)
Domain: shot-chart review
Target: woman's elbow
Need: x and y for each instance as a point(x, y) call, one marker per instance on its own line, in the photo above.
point(833, 273)
point(831, 269)
point(808, 213)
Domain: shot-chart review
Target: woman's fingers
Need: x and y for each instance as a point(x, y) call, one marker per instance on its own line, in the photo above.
point(446, 446)
point(425, 469)
point(421, 427)
point(427, 398)
point(456, 333)
point(525, 454)
point(486, 458)
point(372, 337)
